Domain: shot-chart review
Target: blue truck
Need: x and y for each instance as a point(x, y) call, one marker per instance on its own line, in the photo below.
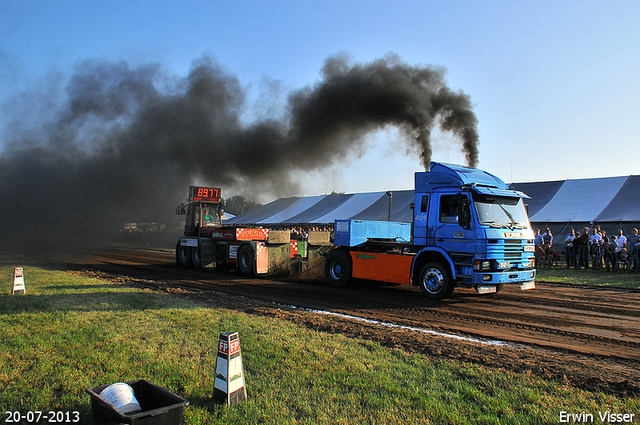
point(469, 229)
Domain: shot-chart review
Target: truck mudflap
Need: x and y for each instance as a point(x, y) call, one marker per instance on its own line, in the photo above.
point(524, 286)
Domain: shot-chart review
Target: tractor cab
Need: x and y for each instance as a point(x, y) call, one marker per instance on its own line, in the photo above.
point(203, 211)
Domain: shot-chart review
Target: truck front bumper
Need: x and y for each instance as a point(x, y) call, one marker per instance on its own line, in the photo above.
point(496, 278)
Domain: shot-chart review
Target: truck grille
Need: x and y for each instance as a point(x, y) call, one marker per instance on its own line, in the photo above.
point(507, 249)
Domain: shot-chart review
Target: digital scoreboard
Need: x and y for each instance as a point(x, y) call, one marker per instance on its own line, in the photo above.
point(204, 194)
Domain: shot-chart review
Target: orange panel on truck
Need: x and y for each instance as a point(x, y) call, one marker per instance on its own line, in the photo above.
point(383, 267)
point(262, 258)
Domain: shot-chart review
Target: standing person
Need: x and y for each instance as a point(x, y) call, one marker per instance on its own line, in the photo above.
point(584, 247)
point(632, 243)
point(538, 239)
point(596, 254)
point(577, 241)
point(569, 254)
point(547, 244)
point(606, 252)
point(621, 241)
point(539, 251)
point(613, 246)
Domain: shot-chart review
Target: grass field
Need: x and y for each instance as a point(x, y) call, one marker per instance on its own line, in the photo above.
point(69, 333)
point(619, 279)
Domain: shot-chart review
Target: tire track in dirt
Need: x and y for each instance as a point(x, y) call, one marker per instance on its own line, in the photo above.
point(593, 328)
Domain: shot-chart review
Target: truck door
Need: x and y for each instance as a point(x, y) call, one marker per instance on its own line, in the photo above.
point(421, 212)
point(452, 228)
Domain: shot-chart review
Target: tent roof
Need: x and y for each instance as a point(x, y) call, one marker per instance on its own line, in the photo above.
point(379, 210)
point(328, 203)
point(609, 199)
point(301, 205)
point(579, 200)
point(625, 206)
point(350, 208)
point(540, 193)
point(260, 214)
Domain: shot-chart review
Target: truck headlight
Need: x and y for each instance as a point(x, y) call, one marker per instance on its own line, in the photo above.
point(481, 265)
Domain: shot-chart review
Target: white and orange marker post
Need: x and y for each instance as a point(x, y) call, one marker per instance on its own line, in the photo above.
point(229, 381)
point(18, 281)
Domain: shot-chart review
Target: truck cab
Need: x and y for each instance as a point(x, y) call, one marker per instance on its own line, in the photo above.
point(468, 229)
point(474, 231)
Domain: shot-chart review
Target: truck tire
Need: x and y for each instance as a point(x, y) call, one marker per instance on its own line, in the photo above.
point(338, 268)
point(435, 281)
point(246, 259)
point(183, 255)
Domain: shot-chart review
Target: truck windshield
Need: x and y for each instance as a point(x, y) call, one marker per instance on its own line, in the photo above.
point(501, 212)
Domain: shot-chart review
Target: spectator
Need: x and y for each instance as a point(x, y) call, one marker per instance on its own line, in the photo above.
point(569, 253)
point(621, 241)
point(584, 248)
point(614, 253)
point(596, 254)
point(632, 243)
point(577, 241)
point(538, 239)
point(608, 251)
point(539, 251)
point(547, 246)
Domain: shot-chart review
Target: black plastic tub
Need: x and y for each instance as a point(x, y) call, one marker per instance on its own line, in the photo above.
point(159, 406)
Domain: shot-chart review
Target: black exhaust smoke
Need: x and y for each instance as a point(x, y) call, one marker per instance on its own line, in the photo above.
point(126, 142)
point(351, 101)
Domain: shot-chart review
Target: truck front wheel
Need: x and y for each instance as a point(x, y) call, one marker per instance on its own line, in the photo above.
point(435, 281)
point(338, 268)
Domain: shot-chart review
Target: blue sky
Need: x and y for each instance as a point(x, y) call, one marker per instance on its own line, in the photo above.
point(555, 85)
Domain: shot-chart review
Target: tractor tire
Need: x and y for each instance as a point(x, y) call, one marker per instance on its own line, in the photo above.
point(196, 257)
point(435, 281)
point(183, 255)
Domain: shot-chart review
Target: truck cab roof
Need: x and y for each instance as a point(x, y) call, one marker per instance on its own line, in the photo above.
point(442, 175)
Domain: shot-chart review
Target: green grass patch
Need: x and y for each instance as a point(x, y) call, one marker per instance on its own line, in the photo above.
point(69, 333)
point(618, 279)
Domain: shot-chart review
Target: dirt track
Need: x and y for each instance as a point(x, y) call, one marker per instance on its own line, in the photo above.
point(585, 336)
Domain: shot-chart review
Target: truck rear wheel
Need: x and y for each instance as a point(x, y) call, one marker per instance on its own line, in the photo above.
point(435, 281)
point(246, 259)
point(338, 268)
point(183, 255)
